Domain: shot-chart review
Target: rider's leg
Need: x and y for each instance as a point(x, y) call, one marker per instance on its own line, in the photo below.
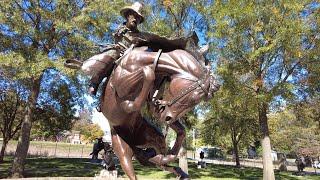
point(148, 79)
point(102, 70)
point(99, 67)
point(124, 153)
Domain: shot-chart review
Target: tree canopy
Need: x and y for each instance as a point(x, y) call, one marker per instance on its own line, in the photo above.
point(266, 54)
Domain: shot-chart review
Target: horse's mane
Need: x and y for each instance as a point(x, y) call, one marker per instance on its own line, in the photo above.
point(186, 64)
point(180, 61)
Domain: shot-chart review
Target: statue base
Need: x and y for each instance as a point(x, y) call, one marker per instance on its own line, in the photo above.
point(105, 174)
point(201, 164)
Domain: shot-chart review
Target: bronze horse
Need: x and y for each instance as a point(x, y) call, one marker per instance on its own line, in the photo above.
point(132, 84)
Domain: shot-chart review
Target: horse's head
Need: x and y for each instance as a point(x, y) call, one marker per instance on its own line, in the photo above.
point(183, 94)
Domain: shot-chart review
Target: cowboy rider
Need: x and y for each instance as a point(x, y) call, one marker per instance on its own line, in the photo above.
point(101, 65)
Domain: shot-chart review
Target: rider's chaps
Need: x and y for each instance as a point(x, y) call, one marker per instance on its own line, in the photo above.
point(103, 68)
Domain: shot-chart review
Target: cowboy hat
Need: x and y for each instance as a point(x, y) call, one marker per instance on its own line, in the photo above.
point(135, 7)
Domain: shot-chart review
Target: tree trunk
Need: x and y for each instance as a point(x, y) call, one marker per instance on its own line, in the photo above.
point(268, 173)
point(24, 140)
point(235, 146)
point(3, 149)
point(236, 153)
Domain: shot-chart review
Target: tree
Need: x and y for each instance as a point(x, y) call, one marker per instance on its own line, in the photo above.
point(271, 44)
point(51, 120)
point(232, 116)
point(295, 124)
point(11, 116)
point(89, 132)
point(37, 35)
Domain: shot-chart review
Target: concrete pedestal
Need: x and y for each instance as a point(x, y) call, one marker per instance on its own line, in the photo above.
point(105, 174)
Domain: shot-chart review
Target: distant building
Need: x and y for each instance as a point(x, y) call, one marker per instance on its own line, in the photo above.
point(107, 136)
point(75, 137)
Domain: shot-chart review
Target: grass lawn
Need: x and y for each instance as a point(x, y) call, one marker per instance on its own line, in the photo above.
point(76, 167)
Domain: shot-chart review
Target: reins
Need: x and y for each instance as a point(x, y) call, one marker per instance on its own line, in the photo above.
point(199, 83)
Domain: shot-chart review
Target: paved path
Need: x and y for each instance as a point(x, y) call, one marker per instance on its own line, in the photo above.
point(253, 163)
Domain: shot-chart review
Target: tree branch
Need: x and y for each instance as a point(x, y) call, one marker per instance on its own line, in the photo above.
point(22, 9)
point(18, 127)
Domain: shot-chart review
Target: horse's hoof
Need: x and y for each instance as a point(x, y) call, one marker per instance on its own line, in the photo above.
point(128, 106)
point(182, 174)
point(184, 178)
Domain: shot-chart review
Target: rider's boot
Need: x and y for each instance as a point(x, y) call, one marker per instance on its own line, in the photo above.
point(103, 68)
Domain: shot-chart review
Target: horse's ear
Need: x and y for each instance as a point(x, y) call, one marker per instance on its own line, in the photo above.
point(204, 49)
point(73, 64)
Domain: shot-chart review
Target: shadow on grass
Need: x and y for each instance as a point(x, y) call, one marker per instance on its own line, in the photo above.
point(62, 167)
point(76, 167)
point(54, 167)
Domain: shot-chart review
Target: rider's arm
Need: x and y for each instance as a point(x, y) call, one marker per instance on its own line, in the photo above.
point(165, 43)
point(171, 44)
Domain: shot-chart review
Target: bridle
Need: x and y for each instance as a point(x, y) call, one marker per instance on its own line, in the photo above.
point(198, 83)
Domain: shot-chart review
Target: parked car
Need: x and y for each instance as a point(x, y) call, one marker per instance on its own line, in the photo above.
point(211, 152)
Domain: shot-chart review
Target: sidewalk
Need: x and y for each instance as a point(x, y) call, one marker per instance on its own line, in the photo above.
point(257, 163)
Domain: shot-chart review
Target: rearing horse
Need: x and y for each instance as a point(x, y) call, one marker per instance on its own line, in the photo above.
point(133, 83)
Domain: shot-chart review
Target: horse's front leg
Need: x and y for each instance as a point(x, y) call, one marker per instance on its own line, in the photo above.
point(150, 137)
point(148, 79)
point(161, 159)
point(181, 134)
point(124, 153)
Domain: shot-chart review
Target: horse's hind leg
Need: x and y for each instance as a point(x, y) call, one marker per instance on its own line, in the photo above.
point(148, 79)
point(124, 153)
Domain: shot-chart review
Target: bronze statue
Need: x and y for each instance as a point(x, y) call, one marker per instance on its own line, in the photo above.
point(168, 76)
point(127, 35)
point(132, 84)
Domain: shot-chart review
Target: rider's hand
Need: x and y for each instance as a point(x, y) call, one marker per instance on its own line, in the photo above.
point(138, 40)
